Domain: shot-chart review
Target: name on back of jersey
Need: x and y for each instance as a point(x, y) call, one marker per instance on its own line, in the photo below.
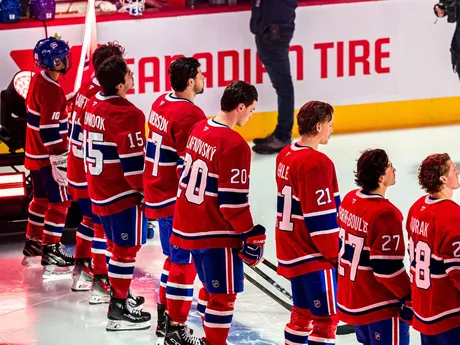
point(201, 147)
point(158, 121)
point(352, 221)
point(282, 171)
point(419, 227)
point(94, 121)
point(80, 101)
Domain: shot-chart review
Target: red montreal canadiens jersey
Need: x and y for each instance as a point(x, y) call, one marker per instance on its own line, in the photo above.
point(114, 138)
point(76, 175)
point(170, 121)
point(372, 278)
point(46, 121)
point(212, 207)
point(306, 221)
point(434, 247)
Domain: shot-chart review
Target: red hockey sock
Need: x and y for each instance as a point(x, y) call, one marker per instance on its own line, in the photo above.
point(121, 269)
point(85, 234)
point(98, 250)
point(218, 317)
point(164, 280)
point(203, 298)
point(55, 218)
point(324, 329)
point(37, 210)
point(179, 291)
point(299, 327)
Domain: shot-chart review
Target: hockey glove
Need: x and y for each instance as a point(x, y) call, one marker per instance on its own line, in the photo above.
point(59, 168)
point(406, 313)
point(253, 245)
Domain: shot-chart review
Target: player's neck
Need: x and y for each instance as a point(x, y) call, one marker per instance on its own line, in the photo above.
point(187, 94)
point(380, 191)
point(313, 142)
point(445, 193)
point(225, 119)
point(53, 74)
point(121, 93)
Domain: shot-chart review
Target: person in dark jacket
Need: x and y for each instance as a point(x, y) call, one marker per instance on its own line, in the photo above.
point(272, 23)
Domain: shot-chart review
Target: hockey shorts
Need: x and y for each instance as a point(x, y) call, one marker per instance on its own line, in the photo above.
point(127, 228)
point(219, 269)
point(176, 254)
point(316, 291)
point(391, 331)
point(86, 210)
point(44, 186)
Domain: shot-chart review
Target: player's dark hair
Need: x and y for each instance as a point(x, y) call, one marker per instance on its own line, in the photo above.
point(111, 73)
point(105, 51)
point(430, 171)
point(371, 165)
point(181, 70)
point(311, 114)
point(236, 93)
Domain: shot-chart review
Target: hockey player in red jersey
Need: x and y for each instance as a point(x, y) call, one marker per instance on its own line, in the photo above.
point(46, 155)
point(306, 228)
point(92, 244)
point(170, 120)
point(212, 216)
point(114, 138)
point(373, 285)
point(434, 247)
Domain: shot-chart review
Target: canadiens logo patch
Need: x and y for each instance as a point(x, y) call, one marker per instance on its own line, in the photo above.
point(317, 303)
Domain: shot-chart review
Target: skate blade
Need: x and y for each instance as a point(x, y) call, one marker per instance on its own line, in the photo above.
point(51, 272)
point(81, 286)
point(118, 326)
point(99, 300)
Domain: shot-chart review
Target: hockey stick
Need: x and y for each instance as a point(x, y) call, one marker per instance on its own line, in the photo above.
point(272, 282)
point(268, 292)
point(341, 329)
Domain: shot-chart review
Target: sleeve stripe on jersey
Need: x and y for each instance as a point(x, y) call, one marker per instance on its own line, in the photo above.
point(211, 184)
point(132, 165)
point(164, 147)
point(56, 125)
point(232, 199)
point(109, 152)
point(50, 136)
point(129, 155)
point(296, 209)
point(321, 223)
point(337, 200)
point(386, 268)
point(364, 261)
point(33, 120)
point(33, 111)
point(320, 213)
point(167, 154)
point(387, 257)
point(235, 190)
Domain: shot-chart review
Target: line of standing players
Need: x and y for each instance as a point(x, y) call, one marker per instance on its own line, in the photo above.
point(192, 175)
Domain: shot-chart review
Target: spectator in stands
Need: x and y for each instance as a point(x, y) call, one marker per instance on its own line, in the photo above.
point(272, 23)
